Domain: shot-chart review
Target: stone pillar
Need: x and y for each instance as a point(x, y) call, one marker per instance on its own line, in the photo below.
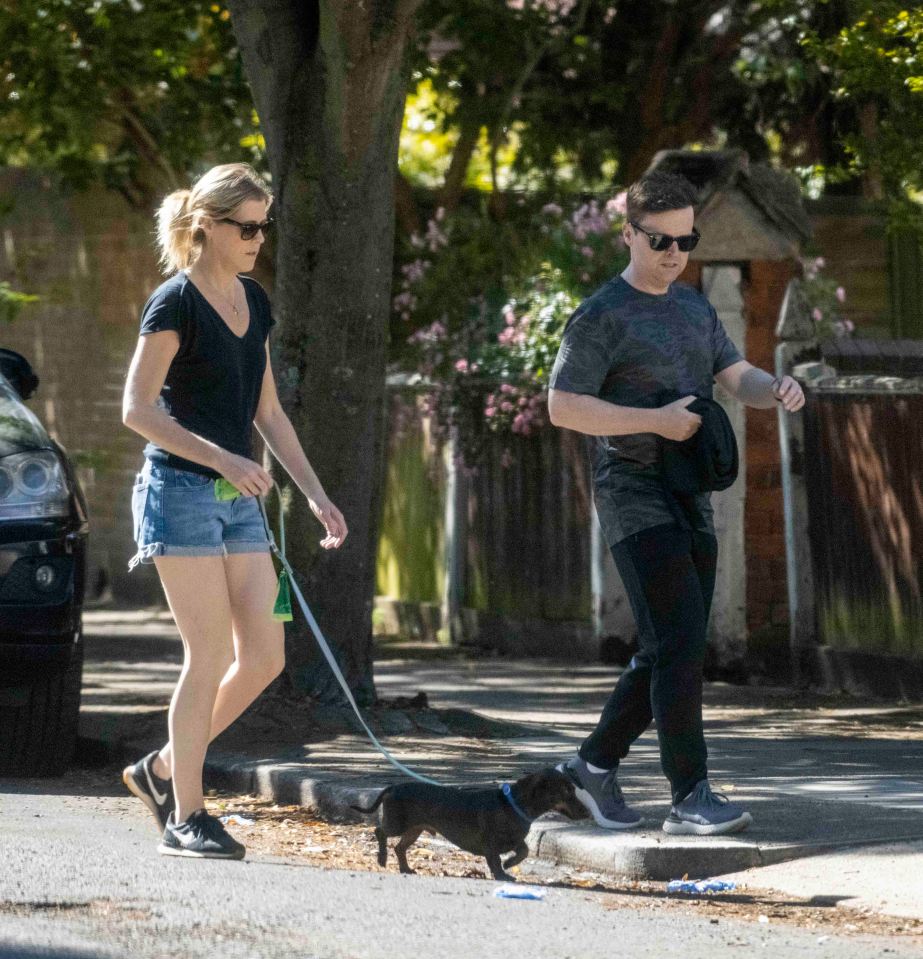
point(728, 624)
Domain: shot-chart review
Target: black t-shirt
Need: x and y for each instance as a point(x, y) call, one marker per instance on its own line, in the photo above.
point(213, 384)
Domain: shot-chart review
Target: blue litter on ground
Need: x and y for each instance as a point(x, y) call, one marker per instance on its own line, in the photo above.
point(700, 885)
point(509, 891)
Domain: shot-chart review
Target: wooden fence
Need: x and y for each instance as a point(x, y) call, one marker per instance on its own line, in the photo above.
point(864, 460)
point(503, 549)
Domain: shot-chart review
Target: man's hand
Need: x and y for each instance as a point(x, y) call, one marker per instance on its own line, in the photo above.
point(788, 392)
point(676, 422)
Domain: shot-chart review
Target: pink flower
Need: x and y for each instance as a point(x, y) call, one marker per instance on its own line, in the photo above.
point(506, 388)
point(819, 263)
point(490, 411)
point(523, 402)
point(818, 314)
point(618, 205)
point(552, 209)
point(461, 366)
point(841, 294)
point(587, 251)
point(506, 407)
point(519, 423)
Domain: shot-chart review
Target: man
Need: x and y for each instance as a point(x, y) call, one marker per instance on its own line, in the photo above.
point(633, 356)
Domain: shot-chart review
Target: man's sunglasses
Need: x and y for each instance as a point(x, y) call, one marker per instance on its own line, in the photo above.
point(663, 241)
point(248, 230)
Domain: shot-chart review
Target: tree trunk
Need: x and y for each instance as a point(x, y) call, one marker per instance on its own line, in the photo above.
point(328, 81)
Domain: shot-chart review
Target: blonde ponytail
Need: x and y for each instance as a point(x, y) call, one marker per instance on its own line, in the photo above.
point(174, 232)
point(216, 194)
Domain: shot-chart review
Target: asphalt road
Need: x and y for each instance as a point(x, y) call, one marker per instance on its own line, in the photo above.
point(80, 877)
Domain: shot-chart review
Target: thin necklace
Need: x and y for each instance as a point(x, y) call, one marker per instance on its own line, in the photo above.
point(231, 303)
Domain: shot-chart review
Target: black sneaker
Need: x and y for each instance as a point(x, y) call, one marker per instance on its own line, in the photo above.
point(200, 837)
point(154, 792)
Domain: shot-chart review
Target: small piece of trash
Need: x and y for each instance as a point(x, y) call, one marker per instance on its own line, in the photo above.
point(700, 885)
point(822, 938)
point(236, 820)
point(509, 891)
point(763, 919)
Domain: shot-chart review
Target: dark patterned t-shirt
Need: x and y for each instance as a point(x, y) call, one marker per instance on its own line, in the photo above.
point(644, 350)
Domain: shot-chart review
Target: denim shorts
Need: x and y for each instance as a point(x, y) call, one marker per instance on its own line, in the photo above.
point(175, 513)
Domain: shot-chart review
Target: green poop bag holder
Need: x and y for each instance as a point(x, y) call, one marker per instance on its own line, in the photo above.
point(282, 608)
point(282, 611)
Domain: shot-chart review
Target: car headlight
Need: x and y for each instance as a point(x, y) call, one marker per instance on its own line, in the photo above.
point(32, 486)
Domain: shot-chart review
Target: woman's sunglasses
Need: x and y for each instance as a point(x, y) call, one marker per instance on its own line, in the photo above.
point(248, 230)
point(663, 241)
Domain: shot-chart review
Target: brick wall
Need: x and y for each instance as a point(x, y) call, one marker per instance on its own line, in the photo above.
point(91, 260)
point(767, 597)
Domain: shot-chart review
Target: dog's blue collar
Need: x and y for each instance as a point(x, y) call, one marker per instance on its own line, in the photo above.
point(508, 796)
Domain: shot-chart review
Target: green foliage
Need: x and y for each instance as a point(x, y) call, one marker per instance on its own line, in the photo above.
point(876, 65)
point(131, 92)
point(12, 301)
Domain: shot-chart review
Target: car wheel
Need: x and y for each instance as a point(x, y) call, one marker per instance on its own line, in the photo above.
point(38, 721)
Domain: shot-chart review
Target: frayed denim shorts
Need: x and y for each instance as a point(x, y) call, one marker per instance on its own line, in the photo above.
point(175, 513)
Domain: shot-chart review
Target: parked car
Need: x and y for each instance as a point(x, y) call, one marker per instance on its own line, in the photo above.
point(43, 543)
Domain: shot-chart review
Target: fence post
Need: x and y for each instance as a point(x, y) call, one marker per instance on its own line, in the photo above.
point(456, 538)
point(796, 332)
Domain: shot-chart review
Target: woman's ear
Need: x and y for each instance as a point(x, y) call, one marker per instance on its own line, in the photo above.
point(202, 226)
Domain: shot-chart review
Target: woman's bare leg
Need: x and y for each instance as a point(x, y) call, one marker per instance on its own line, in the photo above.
point(259, 644)
point(197, 591)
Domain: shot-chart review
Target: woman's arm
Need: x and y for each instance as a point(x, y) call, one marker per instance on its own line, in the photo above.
point(276, 429)
point(140, 412)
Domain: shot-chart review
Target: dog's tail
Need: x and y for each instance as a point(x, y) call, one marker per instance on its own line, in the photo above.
point(373, 807)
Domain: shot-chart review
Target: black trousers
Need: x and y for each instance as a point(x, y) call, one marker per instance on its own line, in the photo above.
point(669, 575)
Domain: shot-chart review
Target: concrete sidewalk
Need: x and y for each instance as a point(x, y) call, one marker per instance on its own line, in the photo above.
point(819, 777)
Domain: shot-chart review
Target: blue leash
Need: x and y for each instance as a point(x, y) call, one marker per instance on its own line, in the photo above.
point(322, 642)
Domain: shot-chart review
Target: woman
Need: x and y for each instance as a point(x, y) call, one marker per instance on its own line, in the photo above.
point(200, 379)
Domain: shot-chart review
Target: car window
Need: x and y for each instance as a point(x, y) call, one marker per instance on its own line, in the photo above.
point(19, 427)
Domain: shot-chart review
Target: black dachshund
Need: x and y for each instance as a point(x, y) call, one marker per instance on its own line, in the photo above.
point(486, 822)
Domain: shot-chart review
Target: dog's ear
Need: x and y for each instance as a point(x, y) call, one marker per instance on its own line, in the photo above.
point(527, 786)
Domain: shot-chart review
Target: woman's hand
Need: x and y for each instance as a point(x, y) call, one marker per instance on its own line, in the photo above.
point(249, 477)
point(332, 520)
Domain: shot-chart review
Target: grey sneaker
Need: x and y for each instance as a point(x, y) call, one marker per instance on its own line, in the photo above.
point(200, 837)
point(602, 795)
point(706, 813)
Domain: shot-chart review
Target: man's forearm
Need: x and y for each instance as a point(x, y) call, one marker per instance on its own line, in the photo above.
point(596, 417)
point(756, 389)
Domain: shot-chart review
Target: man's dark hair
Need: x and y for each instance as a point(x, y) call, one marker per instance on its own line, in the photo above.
point(659, 191)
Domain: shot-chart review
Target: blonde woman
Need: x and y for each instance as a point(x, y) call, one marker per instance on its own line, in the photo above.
point(200, 379)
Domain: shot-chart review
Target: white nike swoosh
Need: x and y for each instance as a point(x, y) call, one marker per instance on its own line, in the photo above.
point(159, 798)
